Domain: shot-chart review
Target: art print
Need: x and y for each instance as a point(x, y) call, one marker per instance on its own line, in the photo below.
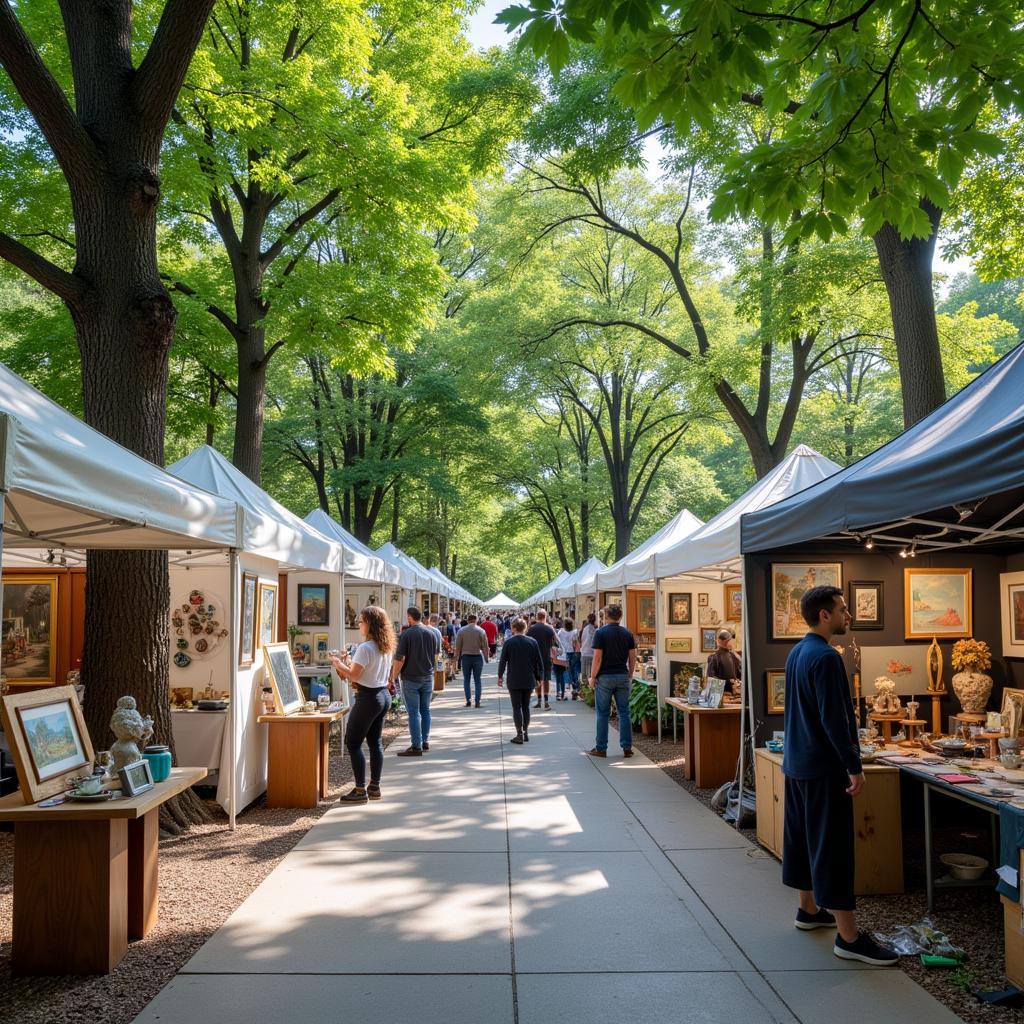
point(937, 603)
point(29, 628)
point(266, 606)
point(680, 612)
point(775, 683)
point(865, 604)
point(734, 602)
point(789, 582)
point(314, 604)
point(678, 645)
point(1011, 600)
point(708, 640)
point(247, 637)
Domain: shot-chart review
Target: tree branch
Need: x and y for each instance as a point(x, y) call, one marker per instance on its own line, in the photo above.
point(65, 286)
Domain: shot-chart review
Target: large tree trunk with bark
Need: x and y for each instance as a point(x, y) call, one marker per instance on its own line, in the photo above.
point(252, 384)
point(907, 271)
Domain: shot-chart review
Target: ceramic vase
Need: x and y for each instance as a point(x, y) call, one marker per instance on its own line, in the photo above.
point(972, 690)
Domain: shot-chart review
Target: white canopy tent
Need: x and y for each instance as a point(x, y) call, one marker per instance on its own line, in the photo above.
point(546, 592)
point(500, 602)
point(359, 561)
point(419, 577)
point(638, 566)
point(567, 589)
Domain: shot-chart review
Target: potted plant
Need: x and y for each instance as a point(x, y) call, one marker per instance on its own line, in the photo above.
point(970, 684)
point(643, 709)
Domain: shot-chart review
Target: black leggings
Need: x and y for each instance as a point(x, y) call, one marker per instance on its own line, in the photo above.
point(365, 722)
point(520, 709)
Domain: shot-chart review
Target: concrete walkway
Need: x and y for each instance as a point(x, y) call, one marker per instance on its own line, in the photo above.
point(526, 885)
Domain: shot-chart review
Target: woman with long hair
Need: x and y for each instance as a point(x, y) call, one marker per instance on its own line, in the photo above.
point(369, 671)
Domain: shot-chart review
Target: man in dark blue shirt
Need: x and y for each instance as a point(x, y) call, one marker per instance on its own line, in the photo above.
point(612, 678)
point(823, 773)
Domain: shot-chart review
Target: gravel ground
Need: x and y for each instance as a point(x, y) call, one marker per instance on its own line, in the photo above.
point(204, 876)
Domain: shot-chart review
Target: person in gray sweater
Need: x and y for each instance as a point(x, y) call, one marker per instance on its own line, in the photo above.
point(471, 651)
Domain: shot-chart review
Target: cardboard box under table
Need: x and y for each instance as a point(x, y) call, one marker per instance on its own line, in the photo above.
point(85, 877)
point(297, 757)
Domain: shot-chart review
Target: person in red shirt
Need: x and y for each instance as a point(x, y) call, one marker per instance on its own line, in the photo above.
point(490, 627)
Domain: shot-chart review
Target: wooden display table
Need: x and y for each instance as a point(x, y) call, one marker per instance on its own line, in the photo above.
point(85, 878)
point(711, 738)
point(878, 836)
point(297, 757)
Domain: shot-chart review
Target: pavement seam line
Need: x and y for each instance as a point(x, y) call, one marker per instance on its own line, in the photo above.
point(508, 860)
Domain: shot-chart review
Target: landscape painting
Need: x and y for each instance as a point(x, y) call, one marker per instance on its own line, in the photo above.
point(29, 649)
point(1011, 600)
point(937, 603)
point(314, 604)
point(790, 581)
point(51, 734)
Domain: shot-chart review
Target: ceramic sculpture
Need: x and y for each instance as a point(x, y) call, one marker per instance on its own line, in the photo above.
point(885, 700)
point(971, 686)
point(131, 731)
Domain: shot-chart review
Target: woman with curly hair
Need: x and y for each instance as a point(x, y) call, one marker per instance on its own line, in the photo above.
point(369, 671)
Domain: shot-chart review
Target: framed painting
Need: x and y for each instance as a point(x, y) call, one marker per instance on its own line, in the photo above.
point(775, 684)
point(29, 629)
point(680, 673)
point(905, 664)
point(1011, 601)
point(321, 644)
point(733, 602)
point(680, 609)
point(1012, 710)
point(864, 600)
point(702, 600)
point(247, 631)
point(288, 695)
point(709, 640)
point(611, 597)
point(314, 601)
point(937, 603)
point(678, 645)
point(645, 612)
point(48, 739)
point(266, 613)
point(790, 581)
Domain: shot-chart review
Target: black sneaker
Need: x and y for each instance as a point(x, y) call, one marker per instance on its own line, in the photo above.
point(865, 949)
point(469, 703)
point(426, 745)
point(808, 922)
point(526, 737)
point(373, 791)
point(354, 796)
point(478, 703)
point(411, 752)
point(516, 739)
point(536, 706)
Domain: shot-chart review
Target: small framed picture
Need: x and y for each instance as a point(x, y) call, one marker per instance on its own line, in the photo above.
point(865, 604)
point(680, 611)
point(708, 640)
point(734, 602)
point(266, 612)
point(775, 680)
point(248, 624)
point(314, 604)
point(136, 778)
point(702, 600)
point(678, 645)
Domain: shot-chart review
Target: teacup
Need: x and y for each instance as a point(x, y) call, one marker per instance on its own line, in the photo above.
point(1009, 760)
point(90, 785)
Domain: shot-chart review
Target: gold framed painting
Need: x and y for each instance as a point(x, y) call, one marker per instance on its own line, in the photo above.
point(678, 645)
point(733, 602)
point(30, 629)
point(937, 603)
point(790, 581)
point(1012, 710)
point(775, 683)
point(1011, 605)
point(266, 613)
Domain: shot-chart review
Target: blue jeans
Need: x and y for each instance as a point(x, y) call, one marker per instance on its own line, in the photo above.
point(561, 675)
point(472, 668)
point(609, 686)
point(417, 694)
point(574, 671)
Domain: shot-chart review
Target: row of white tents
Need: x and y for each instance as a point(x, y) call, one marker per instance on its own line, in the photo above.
point(68, 489)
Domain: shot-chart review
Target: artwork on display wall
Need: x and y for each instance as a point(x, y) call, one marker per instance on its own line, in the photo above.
point(708, 616)
point(645, 612)
point(679, 673)
point(610, 597)
point(864, 602)
point(708, 640)
point(181, 696)
point(198, 626)
point(680, 611)
point(678, 645)
point(266, 612)
point(247, 636)
point(48, 739)
point(734, 602)
point(314, 600)
point(905, 664)
point(702, 600)
point(1012, 710)
point(1011, 601)
point(288, 695)
point(351, 621)
point(29, 629)
point(790, 581)
point(321, 644)
point(775, 682)
point(937, 603)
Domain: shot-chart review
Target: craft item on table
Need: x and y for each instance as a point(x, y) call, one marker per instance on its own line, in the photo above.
point(957, 779)
point(885, 701)
point(970, 684)
point(131, 731)
point(993, 721)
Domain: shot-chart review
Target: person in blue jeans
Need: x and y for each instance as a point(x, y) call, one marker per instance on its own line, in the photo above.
point(612, 679)
point(472, 652)
point(415, 657)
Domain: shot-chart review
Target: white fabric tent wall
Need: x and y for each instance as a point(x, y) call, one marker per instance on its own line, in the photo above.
point(359, 561)
point(639, 565)
point(501, 602)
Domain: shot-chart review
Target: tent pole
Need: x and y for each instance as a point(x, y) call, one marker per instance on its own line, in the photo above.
point(344, 639)
point(658, 633)
point(236, 625)
point(746, 691)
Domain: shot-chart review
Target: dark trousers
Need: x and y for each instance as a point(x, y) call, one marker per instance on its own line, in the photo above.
point(520, 700)
point(817, 848)
point(365, 722)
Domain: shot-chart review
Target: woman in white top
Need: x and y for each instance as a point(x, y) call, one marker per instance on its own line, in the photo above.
point(369, 671)
point(587, 645)
point(567, 649)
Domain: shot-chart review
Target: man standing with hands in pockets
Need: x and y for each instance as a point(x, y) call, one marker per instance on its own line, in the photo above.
point(823, 774)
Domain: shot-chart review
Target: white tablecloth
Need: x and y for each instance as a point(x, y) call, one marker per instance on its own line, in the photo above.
point(199, 737)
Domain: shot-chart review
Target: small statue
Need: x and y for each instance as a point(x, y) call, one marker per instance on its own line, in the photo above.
point(132, 732)
point(885, 701)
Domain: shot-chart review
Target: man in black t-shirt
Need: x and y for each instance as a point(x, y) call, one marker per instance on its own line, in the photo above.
point(545, 637)
point(611, 676)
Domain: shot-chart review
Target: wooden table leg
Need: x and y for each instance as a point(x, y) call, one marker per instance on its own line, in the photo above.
point(293, 764)
point(143, 873)
point(70, 896)
point(325, 755)
point(689, 747)
point(717, 743)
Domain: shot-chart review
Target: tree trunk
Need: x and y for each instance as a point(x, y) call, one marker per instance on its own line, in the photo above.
point(395, 506)
point(907, 271)
point(252, 384)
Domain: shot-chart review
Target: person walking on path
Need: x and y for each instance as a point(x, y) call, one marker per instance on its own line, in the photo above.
point(612, 678)
point(587, 647)
point(415, 658)
point(369, 672)
point(724, 664)
point(823, 773)
point(521, 659)
point(490, 627)
point(569, 645)
point(471, 652)
point(545, 637)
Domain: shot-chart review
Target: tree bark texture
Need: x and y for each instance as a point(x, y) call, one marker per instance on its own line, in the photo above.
point(906, 267)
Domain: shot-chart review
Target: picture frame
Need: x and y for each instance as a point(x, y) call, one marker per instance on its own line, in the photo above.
point(248, 620)
point(29, 631)
point(937, 603)
point(321, 645)
point(680, 609)
point(702, 599)
point(646, 612)
point(136, 778)
point(48, 738)
point(181, 695)
point(266, 613)
point(280, 670)
point(679, 673)
point(709, 640)
point(1012, 710)
point(714, 692)
point(733, 602)
point(1011, 606)
point(678, 645)
point(905, 664)
point(775, 691)
point(314, 604)
point(789, 582)
point(864, 600)
point(610, 597)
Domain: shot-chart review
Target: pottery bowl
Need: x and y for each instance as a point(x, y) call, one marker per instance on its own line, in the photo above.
point(964, 866)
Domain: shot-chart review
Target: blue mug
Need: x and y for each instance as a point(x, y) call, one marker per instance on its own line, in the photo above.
point(159, 758)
